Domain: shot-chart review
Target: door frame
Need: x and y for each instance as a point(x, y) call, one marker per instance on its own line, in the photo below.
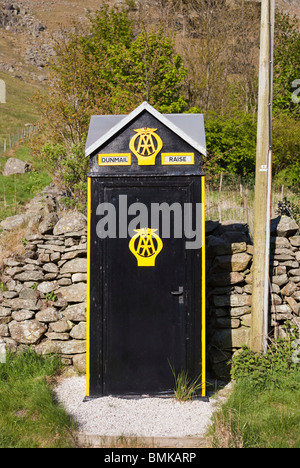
point(195, 271)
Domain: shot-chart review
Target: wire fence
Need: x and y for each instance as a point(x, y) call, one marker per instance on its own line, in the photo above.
point(8, 140)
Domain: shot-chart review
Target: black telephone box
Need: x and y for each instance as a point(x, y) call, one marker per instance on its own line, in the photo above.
point(146, 252)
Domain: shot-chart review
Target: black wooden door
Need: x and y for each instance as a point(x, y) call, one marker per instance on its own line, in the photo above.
point(145, 307)
point(143, 321)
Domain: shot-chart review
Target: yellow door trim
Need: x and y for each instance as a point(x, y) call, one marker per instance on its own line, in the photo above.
point(89, 180)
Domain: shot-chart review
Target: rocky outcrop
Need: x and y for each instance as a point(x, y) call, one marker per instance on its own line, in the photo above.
point(15, 17)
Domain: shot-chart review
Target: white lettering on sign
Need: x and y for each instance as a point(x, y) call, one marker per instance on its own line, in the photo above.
point(115, 159)
point(177, 158)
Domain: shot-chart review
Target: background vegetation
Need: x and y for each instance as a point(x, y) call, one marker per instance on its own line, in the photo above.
point(206, 62)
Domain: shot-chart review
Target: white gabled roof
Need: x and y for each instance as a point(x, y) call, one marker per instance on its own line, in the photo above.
point(190, 127)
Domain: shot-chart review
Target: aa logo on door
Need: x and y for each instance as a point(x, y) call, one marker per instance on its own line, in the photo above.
point(145, 246)
point(146, 145)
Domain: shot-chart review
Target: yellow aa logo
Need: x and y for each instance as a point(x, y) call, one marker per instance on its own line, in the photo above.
point(146, 145)
point(145, 246)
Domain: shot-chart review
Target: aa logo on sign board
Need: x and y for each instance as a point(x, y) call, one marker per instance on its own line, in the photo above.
point(145, 246)
point(146, 145)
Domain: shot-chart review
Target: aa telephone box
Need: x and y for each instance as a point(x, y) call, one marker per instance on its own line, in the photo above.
point(146, 252)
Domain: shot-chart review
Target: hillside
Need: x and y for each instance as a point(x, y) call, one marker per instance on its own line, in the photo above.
point(29, 27)
point(28, 30)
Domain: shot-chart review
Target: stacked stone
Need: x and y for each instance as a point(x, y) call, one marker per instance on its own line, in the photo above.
point(285, 274)
point(229, 286)
point(229, 261)
point(44, 304)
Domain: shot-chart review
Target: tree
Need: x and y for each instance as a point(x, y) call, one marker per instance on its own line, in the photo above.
point(231, 144)
point(108, 71)
point(104, 70)
point(286, 65)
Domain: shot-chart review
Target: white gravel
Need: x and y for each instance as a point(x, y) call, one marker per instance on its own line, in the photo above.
point(139, 417)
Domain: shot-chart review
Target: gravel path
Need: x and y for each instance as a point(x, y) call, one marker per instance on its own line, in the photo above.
point(139, 417)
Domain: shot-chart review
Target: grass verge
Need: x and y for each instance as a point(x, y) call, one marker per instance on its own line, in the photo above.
point(29, 415)
point(263, 409)
point(17, 190)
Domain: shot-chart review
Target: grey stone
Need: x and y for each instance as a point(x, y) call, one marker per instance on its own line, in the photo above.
point(280, 242)
point(48, 315)
point(233, 263)
point(79, 363)
point(295, 279)
point(296, 295)
point(216, 246)
point(295, 272)
point(283, 226)
point(62, 326)
point(16, 166)
point(227, 338)
point(70, 223)
point(5, 312)
point(281, 309)
point(226, 279)
point(51, 248)
point(239, 311)
point(57, 336)
point(47, 225)
point(4, 330)
point(47, 286)
point(13, 222)
point(228, 322)
point(235, 300)
point(79, 331)
point(22, 315)
point(77, 265)
point(27, 332)
point(73, 293)
point(50, 267)
point(276, 300)
point(76, 313)
point(295, 241)
point(27, 304)
point(280, 280)
point(61, 347)
point(79, 277)
point(30, 276)
point(289, 289)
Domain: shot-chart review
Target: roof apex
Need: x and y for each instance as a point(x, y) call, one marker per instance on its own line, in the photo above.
point(163, 118)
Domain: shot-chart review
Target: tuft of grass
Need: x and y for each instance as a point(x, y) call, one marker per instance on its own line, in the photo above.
point(185, 387)
point(29, 415)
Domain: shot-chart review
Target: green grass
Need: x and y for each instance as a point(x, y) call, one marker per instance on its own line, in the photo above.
point(16, 190)
point(29, 416)
point(263, 410)
point(264, 418)
point(19, 108)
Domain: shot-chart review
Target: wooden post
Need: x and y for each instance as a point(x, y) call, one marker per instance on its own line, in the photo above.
point(261, 234)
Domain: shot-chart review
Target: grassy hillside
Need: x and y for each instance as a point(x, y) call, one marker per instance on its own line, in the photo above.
point(17, 190)
point(18, 109)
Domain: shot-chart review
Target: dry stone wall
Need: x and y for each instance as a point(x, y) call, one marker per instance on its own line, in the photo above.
point(229, 286)
point(43, 302)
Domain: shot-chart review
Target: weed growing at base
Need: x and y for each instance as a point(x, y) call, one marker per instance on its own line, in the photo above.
point(29, 416)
